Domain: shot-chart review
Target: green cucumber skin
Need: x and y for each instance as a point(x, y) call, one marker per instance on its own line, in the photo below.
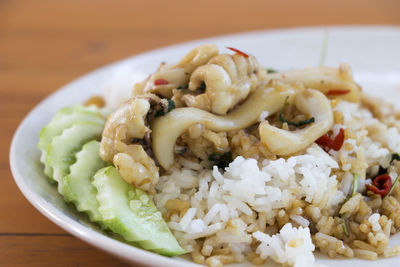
point(64, 119)
point(78, 187)
point(142, 224)
point(69, 137)
point(62, 149)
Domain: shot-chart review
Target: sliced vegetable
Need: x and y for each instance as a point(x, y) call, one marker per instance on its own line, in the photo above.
point(297, 124)
point(62, 149)
point(393, 185)
point(77, 185)
point(65, 118)
point(160, 82)
point(381, 185)
point(131, 213)
point(327, 143)
point(338, 92)
point(238, 51)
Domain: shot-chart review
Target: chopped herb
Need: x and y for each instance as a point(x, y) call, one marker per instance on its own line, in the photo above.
point(269, 70)
point(355, 184)
point(346, 232)
point(161, 112)
point(180, 87)
point(395, 156)
point(222, 160)
point(393, 185)
point(297, 124)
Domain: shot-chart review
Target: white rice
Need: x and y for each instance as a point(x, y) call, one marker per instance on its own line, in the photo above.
point(292, 246)
point(219, 199)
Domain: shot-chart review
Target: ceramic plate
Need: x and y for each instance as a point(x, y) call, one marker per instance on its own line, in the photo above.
point(373, 53)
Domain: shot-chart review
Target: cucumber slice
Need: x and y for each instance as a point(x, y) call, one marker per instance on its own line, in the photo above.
point(130, 212)
point(78, 187)
point(62, 149)
point(64, 119)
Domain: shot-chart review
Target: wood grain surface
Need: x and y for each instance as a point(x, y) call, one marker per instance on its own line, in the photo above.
point(45, 44)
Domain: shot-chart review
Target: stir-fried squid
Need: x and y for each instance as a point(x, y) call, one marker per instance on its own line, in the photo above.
point(265, 98)
point(228, 80)
point(169, 77)
point(221, 93)
point(282, 142)
point(123, 127)
point(334, 82)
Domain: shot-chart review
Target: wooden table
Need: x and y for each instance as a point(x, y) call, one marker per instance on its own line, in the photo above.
point(45, 44)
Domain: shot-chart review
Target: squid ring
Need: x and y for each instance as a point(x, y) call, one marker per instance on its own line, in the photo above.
point(282, 142)
point(167, 129)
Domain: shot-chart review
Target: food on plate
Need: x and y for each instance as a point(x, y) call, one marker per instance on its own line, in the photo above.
point(77, 184)
point(96, 188)
point(221, 158)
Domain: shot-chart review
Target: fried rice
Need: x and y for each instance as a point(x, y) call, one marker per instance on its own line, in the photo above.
point(258, 206)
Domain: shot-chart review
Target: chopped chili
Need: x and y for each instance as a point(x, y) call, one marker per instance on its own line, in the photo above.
point(160, 82)
point(238, 51)
point(338, 92)
point(381, 185)
point(328, 143)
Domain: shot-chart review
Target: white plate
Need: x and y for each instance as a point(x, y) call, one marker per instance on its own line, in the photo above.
point(373, 53)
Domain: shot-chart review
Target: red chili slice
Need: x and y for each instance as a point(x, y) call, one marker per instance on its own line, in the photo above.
point(380, 185)
point(160, 82)
point(238, 51)
point(338, 92)
point(327, 142)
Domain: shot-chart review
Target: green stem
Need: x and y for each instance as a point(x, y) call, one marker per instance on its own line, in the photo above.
point(393, 185)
